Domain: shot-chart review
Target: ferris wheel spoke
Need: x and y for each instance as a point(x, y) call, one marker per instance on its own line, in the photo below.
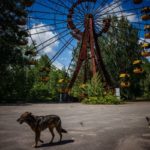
point(39, 18)
point(83, 7)
point(125, 15)
point(80, 16)
point(78, 19)
point(57, 29)
point(87, 6)
point(62, 2)
point(61, 50)
point(81, 11)
point(78, 10)
point(112, 6)
point(144, 40)
point(44, 12)
point(51, 8)
point(100, 9)
point(134, 22)
point(55, 36)
point(54, 2)
point(40, 49)
point(120, 11)
point(102, 4)
point(45, 25)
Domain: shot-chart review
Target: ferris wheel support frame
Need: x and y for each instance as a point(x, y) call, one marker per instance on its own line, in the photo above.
point(89, 37)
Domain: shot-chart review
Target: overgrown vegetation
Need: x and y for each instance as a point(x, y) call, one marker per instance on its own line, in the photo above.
point(96, 93)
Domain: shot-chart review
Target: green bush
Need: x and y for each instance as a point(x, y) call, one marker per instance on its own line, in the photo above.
point(95, 91)
point(39, 91)
point(107, 99)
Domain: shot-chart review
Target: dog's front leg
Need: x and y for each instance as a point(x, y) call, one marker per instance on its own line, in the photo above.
point(53, 135)
point(37, 138)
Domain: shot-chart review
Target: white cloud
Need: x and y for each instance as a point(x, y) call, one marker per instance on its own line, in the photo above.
point(142, 40)
point(114, 8)
point(58, 65)
point(41, 34)
point(42, 37)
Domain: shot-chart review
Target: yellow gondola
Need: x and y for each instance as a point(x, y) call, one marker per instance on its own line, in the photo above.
point(146, 45)
point(147, 27)
point(137, 1)
point(137, 62)
point(145, 53)
point(138, 70)
point(61, 80)
point(145, 10)
point(125, 84)
point(82, 86)
point(147, 35)
point(124, 75)
point(145, 17)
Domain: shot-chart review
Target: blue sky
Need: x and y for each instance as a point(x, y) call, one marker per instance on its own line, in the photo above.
point(48, 23)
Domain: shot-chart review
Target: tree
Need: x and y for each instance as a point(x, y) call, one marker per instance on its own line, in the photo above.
point(12, 35)
point(119, 49)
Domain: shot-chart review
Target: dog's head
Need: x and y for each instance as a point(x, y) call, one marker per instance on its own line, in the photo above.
point(148, 121)
point(24, 117)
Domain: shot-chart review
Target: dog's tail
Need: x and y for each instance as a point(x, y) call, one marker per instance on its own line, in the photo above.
point(63, 130)
point(147, 118)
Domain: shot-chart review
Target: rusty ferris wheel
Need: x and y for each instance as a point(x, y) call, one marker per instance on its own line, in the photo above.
point(82, 21)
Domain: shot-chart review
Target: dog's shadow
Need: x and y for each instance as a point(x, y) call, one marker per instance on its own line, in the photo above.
point(56, 143)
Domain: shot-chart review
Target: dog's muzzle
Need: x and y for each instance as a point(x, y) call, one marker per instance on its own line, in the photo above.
point(20, 121)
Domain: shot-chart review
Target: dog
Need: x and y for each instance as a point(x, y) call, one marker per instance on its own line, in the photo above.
point(40, 123)
point(148, 121)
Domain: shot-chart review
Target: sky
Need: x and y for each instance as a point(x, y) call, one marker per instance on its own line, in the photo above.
point(47, 23)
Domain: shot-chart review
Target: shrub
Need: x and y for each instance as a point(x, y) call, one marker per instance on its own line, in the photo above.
point(39, 91)
point(95, 91)
point(107, 99)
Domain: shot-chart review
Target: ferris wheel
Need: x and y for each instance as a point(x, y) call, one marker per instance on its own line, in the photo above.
point(56, 27)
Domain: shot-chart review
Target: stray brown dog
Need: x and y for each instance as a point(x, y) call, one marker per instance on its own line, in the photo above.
point(40, 123)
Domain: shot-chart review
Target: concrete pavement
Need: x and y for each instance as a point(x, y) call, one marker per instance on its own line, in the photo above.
point(90, 127)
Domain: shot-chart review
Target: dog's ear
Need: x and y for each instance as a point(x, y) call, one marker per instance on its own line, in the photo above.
point(147, 118)
point(28, 113)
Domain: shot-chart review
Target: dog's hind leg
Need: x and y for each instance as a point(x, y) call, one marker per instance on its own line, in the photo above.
point(41, 141)
point(53, 135)
point(58, 129)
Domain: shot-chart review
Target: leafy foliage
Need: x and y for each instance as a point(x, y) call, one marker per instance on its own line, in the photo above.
point(96, 93)
point(145, 83)
point(119, 49)
point(108, 99)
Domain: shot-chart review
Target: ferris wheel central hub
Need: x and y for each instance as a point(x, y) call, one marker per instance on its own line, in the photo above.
point(88, 16)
